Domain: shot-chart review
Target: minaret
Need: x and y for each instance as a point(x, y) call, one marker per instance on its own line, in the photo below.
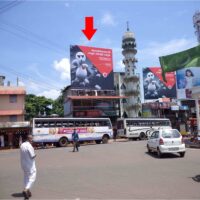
point(131, 80)
point(196, 22)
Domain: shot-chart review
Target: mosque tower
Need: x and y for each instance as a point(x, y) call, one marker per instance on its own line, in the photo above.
point(132, 106)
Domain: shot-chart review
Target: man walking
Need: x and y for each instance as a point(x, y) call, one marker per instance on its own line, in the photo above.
point(28, 165)
point(75, 139)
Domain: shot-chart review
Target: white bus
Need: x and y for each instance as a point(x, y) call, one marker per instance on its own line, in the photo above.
point(59, 130)
point(141, 128)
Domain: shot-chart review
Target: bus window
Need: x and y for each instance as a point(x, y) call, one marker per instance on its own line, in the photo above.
point(45, 124)
point(65, 124)
point(71, 123)
point(59, 124)
point(97, 123)
point(52, 124)
point(38, 124)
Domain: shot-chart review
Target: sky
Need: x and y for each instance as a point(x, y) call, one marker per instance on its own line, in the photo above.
point(35, 36)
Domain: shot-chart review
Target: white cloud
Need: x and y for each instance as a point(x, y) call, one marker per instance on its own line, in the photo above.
point(157, 49)
point(108, 20)
point(63, 66)
point(21, 83)
point(67, 4)
point(119, 66)
point(52, 94)
point(34, 87)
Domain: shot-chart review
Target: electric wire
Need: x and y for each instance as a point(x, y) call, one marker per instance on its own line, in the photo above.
point(26, 77)
point(10, 5)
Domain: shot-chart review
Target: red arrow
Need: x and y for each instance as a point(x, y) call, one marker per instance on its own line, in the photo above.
point(89, 31)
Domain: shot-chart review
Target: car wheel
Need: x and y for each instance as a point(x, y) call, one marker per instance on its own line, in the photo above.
point(148, 149)
point(142, 136)
point(159, 153)
point(182, 154)
point(63, 142)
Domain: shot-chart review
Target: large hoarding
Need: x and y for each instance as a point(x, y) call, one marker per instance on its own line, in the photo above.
point(155, 87)
point(186, 79)
point(91, 68)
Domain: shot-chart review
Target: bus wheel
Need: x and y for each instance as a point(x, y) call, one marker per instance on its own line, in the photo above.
point(63, 142)
point(142, 136)
point(105, 139)
point(98, 141)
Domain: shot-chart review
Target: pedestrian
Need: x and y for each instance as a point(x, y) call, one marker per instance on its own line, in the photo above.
point(28, 155)
point(75, 139)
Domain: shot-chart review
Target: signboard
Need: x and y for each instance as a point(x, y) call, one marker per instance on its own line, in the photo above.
point(186, 79)
point(91, 68)
point(155, 87)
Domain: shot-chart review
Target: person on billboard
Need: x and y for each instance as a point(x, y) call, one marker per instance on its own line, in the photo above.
point(189, 79)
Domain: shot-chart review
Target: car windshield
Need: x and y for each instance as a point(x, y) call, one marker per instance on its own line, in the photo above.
point(170, 134)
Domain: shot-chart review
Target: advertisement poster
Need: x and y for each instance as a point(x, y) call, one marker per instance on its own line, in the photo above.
point(91, 68)
point(155, 87)
point(186, 79)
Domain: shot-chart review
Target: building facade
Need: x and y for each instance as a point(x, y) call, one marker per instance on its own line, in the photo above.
point(91, 103)
point(12, 104)
point(12, 111)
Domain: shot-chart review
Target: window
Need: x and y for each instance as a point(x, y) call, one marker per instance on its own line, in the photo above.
point(155, 135)
point(170, 134)
point(13, 118)
point(51, 124)
point(59, 124)
point(13, 98)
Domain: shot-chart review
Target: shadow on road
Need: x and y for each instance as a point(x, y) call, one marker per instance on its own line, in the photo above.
point(164, 156)
point(196, 178)
point(18, 195)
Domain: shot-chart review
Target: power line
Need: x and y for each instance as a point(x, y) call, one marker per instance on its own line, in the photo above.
point(31, 40)
point(42, 84)
point(32, 34)
point(10, 5)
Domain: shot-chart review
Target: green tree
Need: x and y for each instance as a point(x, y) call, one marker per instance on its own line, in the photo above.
point(37, 106)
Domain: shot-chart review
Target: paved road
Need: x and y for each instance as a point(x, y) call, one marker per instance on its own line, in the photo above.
point(119, 170)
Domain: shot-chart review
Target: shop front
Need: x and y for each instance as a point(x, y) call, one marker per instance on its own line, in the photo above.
point(13, 133)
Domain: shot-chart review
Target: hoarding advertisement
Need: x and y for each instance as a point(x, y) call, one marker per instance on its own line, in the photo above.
point(154, 85)
point(186, 79)
point(180, 60)
point(91, 68)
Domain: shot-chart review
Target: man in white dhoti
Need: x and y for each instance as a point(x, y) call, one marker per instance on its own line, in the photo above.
point(28, 165)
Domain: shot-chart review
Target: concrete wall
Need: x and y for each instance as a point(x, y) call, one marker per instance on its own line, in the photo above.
point(20, 118)
point(6, 105)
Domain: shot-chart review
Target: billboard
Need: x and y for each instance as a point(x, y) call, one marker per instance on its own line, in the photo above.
point(91, 68)
point(186, 79)
point(180, 60)
point(154, 85)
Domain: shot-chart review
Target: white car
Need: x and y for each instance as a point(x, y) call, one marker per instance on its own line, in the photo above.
point(166, 141)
